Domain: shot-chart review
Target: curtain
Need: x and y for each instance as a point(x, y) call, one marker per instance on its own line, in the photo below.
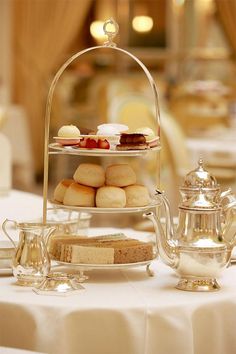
point(227, 14)
point(43, 33)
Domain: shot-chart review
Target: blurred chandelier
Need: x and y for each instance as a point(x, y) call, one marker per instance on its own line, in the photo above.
point(96, 31)
point(142, 24)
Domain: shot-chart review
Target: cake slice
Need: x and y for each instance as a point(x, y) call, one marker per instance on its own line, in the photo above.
point(109, 249)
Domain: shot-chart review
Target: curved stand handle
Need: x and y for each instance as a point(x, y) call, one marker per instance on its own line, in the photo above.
point(48, 236)
point(110, 45)
point(4, 227)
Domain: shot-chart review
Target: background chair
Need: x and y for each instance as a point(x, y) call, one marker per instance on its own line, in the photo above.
point(6, 165)
point(15, 128)
point(137, 110)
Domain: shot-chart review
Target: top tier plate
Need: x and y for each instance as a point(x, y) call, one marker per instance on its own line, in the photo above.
point(73, 150)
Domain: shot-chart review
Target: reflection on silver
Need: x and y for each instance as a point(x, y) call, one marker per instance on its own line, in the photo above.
point(31, 262)
point(58, 284)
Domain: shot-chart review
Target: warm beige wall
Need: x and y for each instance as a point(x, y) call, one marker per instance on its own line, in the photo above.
point(5, 50)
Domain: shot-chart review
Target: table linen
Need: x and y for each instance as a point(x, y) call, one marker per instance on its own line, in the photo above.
point(118, 311)
point(20, 206)
point(121, 312)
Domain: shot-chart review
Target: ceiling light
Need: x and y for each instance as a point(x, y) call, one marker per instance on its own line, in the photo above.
point(179, 2)
point(96, 30)
point(142, 23)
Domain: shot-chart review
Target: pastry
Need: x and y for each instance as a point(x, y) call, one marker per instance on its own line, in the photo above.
point(151, 139)
point(94, 143)
point(134, 141)
point(61, 188)
point(137, 196)
point(79, 195)
point(68, 131)
point(110, 197)
point(89, 174)
point(120, 175)
point(111, 129)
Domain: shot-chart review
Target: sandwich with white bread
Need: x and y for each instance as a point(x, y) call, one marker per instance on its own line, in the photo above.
point(107, 249)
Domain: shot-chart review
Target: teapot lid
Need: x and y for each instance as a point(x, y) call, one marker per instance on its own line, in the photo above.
point(200, 201)
point(200, 178)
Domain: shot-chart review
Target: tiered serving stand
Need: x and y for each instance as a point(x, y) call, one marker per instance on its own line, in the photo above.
point(110, 29)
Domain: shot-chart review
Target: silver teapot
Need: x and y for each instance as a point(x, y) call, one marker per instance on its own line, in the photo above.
point(200, 247)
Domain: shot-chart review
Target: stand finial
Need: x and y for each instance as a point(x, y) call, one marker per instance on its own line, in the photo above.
point(110, 33)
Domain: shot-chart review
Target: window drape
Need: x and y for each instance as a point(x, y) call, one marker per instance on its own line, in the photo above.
point(227, 13)
point(43, 33)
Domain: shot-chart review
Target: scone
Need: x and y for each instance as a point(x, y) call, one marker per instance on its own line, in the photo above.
point(110, 197)
point(89, 174)
point(137, 196)
point(78, 195)
point(61, 188)
point(120, 175)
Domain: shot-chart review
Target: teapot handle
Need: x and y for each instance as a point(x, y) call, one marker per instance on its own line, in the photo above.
point(4, 227)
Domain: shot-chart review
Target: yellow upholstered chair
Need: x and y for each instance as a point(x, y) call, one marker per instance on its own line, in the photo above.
point(6, 165)
point(136, 110)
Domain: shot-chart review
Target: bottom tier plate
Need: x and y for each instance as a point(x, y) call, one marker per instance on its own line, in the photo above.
point(81, 267)
point(105, 266)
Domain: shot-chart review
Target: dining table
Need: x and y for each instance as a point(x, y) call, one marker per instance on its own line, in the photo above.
point(215, 145)
point(20, 206)
point(118, 310)
point(121, 311)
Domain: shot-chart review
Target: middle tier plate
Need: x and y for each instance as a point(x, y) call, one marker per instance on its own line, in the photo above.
point(153, 204)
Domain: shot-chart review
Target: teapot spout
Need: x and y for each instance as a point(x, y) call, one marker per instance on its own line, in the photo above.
point(167, 248)
point(169, 222)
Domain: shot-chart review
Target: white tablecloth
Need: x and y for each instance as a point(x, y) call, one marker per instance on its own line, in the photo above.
point(20, 206)
point(122, 312)
point(118, 311)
